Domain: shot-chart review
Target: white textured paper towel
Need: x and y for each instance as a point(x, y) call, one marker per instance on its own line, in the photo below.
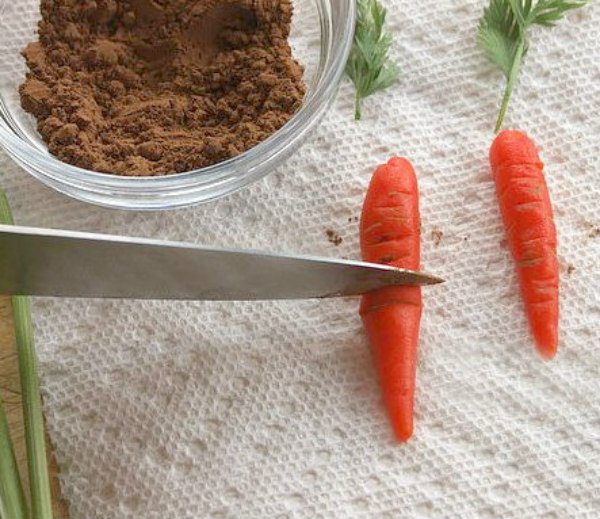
point(209, 410)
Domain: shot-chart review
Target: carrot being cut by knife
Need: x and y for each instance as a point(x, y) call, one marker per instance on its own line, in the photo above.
point(390, 234)
point(528, 219)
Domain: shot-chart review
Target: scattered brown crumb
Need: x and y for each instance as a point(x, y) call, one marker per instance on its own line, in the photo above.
point(436, 236)
point(352, 219)
point(504, 243)
point(334, 237)
point(567, 268)
point(592, 228)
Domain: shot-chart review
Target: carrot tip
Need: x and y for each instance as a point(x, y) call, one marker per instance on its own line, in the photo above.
point(400, 162)
point(547, 353)
point(402, 422)
point(403, 434)
point(546, 341)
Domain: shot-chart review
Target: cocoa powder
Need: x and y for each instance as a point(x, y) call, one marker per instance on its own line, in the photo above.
point(150, 87)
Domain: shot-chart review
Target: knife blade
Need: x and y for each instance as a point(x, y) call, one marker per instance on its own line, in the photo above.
point(59, 263)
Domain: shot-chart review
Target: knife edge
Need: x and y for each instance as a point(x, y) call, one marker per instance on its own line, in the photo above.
point(111, 266)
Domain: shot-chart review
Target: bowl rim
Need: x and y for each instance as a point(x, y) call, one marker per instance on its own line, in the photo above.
point(289, 133)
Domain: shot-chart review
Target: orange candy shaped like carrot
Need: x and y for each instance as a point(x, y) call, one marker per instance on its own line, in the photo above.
point(390, 234)
point(528, 219)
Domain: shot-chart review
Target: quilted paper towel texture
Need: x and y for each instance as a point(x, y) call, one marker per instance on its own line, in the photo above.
point(209, 410)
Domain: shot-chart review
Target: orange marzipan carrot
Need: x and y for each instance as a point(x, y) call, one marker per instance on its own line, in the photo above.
point(527, 214)
point(390, 234)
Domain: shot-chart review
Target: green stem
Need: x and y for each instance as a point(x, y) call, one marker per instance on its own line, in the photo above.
point(510, 83)
point(37, 461)
point(12, 497)
point(358, 108)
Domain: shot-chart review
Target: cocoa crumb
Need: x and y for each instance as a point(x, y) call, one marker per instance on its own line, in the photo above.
point(436, 236)
point(150, 150)
point(35, 96)
point(567, 268)
point(592, 228)
point(146, 87)
point(334, 237)
point(66, 134)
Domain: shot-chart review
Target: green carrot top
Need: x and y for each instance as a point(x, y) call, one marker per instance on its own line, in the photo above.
point(503, 34)
point(369, 66)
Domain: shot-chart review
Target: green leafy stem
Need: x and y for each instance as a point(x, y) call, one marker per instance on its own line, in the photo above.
point(368, 65)
point(504, 38)
point(12, 502)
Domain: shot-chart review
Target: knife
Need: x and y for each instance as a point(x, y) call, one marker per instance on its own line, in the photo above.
point(59, 263)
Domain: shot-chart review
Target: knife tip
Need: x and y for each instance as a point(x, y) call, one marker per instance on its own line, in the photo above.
point(433, 280)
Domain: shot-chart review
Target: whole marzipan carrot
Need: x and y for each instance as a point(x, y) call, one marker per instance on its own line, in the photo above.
point(528, 219)
point(390, 234)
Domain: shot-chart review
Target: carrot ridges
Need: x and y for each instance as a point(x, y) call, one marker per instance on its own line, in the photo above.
point(390, 233)
point(528, 218)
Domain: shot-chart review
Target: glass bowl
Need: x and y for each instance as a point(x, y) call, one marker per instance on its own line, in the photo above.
point(322, 32)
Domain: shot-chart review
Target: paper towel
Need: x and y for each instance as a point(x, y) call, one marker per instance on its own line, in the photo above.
point(224, 410)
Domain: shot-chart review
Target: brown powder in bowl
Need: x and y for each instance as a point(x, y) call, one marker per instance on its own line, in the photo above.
point(151, 87)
